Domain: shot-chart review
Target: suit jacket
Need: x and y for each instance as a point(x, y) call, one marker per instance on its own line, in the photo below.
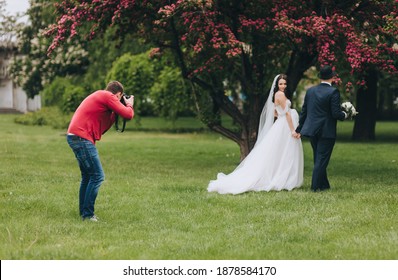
point(320, 112)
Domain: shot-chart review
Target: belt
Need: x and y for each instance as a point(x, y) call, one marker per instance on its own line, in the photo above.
point(73, 136)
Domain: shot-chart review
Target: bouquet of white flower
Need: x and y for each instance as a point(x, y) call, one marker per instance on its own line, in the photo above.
point(349, 109)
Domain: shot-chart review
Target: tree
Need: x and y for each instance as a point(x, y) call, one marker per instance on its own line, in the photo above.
point(137, 74)
point(103, 52)
point(32, 69)
point(8, 31)
point(388, 97)
point(238, 46)
point(169, 93)
point(157, 84)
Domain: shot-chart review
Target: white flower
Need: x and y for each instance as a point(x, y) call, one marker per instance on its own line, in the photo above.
point(396, 102)
point(349, 109)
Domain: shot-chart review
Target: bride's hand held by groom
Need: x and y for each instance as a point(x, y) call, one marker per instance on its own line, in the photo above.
point(296, 135)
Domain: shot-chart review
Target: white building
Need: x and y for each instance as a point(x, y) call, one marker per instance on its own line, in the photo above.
point(13, 98)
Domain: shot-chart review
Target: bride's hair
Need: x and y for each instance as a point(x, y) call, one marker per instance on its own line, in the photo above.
point(276, 88)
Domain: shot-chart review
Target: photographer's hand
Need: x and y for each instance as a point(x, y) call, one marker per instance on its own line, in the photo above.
point(129, 101)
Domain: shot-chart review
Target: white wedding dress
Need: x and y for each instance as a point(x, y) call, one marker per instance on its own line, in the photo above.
point(275, 163)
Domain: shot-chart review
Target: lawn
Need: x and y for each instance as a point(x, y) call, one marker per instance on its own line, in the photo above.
point(154, 205)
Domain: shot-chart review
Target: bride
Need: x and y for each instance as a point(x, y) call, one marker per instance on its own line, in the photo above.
point(276, 161)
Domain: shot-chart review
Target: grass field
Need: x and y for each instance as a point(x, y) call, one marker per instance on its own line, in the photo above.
point(154, 205)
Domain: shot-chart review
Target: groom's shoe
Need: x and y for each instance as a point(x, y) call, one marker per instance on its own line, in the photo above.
point(315, 189)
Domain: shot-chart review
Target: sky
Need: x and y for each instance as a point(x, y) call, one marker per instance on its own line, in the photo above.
point(15, 6)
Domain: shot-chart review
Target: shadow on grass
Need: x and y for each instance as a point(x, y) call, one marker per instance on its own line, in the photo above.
point(380, 138)
point(171, 130)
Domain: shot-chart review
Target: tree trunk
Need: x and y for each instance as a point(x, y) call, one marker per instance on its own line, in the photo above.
point(299, 63)
point(365, 121)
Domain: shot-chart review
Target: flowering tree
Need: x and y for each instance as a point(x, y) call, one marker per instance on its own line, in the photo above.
point(7, 28)
point(31, 69)
point(231, 50)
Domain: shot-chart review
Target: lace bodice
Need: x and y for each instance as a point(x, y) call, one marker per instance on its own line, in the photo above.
point(282, 112)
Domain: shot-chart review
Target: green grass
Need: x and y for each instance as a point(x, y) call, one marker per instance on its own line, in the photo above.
point(154, 204)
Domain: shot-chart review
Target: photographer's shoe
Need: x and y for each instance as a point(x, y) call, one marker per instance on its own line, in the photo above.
point(92, 219)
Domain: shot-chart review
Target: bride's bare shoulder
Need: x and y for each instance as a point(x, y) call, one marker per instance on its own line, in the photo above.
point(280, 95)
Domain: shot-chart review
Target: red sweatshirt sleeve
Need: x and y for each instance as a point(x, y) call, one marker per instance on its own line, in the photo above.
point(126, 112)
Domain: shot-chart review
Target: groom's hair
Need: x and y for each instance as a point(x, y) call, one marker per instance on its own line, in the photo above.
point(114, 87)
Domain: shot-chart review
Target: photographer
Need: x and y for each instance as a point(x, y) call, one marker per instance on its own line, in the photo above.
point(94, 116)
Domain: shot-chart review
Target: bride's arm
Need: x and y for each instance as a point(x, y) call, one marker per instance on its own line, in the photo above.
point(290, 123)
point(280, 99)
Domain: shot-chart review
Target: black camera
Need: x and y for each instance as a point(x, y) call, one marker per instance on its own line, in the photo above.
point(125, 96)
point(117, 116)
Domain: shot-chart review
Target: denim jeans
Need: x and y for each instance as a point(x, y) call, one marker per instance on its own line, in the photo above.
point(91, 170)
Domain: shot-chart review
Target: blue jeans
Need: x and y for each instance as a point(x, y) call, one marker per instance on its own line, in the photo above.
point(91, 170)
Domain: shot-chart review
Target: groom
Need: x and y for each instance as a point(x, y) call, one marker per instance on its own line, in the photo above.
point(318, 121)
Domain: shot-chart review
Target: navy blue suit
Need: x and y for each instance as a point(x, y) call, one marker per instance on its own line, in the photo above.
point(318, 121)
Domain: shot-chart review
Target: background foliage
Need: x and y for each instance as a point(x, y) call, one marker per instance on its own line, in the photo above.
point(227, 52)
point(223, 46)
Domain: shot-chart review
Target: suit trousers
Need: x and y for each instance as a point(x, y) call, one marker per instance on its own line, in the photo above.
point(322, 149)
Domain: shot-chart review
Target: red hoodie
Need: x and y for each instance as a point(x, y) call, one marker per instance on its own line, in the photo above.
point(96, 114)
